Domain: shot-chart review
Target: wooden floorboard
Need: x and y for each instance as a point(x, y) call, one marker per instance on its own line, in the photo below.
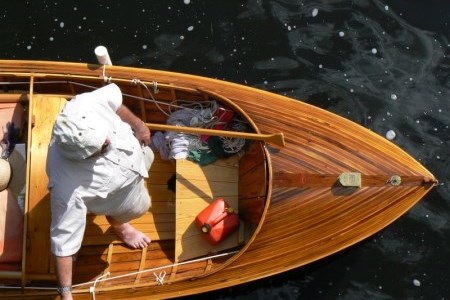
point(158, 223)
point(197, 187)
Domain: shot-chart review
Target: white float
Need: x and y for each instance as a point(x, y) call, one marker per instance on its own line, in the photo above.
point(102, 55)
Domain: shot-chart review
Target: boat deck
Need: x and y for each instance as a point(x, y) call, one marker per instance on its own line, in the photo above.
point(169, 222)
point(196, 188)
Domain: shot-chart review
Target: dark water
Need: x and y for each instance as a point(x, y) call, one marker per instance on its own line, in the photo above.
point(383, 64)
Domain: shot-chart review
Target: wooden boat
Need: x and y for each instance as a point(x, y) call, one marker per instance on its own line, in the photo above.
point(333, 184)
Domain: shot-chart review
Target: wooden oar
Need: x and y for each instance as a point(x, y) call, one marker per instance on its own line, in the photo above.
point(274, 138)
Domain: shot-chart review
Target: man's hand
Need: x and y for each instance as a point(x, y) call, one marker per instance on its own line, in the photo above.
point(140, 129)
point(142, 133)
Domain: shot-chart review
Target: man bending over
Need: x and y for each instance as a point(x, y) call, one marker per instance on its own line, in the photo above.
point(97, 160)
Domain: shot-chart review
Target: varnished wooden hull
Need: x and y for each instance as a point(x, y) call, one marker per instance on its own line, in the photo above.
point(304, 214)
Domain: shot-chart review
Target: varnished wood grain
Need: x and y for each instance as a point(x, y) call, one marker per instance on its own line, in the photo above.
point(197, 187)
point(43, 112)
point(308, 216)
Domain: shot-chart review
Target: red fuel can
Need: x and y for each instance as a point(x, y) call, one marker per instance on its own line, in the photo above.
point(217, 221)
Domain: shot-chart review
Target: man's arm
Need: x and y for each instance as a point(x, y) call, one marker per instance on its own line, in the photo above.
point(142, 132)
point(64, 274)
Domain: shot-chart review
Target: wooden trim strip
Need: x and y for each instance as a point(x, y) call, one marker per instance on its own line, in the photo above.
point(13, 98)
point(10, 274)
point(208, 265)
point(142, 104)
point(33, 276)
point(173, 273)
point(68, 77)
point(141, 265)
point(109, 258)
point(173, 93)
point(27, 183)
point(284, 179)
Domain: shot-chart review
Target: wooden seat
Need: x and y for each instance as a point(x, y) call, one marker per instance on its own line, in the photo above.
point(44, 110)
point(196, 188)
point(11, 213)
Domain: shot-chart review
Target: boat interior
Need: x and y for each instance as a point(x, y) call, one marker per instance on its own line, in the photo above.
point(179, 189)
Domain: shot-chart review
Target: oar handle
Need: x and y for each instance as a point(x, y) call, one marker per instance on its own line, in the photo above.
point(273, 138)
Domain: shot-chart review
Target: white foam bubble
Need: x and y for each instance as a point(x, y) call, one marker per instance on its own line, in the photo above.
point(390, 135)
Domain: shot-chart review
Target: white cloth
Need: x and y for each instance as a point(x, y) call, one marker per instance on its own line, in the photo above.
point(110, 184)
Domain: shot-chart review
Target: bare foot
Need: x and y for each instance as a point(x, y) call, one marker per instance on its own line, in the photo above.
point(130, 235)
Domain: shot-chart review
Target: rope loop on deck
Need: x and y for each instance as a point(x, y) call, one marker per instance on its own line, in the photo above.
point(160, 278)
point(92, 288)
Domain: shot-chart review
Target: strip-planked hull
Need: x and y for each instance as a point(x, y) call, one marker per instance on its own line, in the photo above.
point(296, 211)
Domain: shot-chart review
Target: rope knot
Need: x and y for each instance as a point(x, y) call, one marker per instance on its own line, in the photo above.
point(160, 278)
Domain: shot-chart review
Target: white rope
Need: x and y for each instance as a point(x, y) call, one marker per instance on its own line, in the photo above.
point(155, 87)
point(157, 268)
point(103, 72)
point(92, 288)
point(137, 81)
point(106, 79)
point(160, 278)
point(101, 278)
point(232, 145)
point(91, 87)
point(197, 144)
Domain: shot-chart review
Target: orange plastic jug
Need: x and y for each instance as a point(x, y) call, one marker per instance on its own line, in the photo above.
point(217, 221)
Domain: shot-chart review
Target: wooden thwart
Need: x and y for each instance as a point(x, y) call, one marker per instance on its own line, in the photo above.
point(44, 110)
